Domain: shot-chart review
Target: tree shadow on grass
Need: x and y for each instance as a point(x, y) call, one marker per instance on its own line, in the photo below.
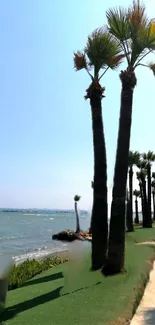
point(12, 311)
point(44, 279)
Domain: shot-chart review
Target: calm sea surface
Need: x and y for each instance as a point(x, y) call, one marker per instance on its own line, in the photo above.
point(29, 235)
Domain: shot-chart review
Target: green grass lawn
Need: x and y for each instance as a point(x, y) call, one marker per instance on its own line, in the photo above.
point(141, 234)
point(70, 294)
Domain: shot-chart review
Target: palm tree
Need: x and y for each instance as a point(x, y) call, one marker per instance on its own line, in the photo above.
point(101, 53)
point(136, 193)
point(141, 196)
point(76, 199)
point(128, 225)
point(142, 176)
point(153, 194)
point(135, 33)
point(148, 159)
point(134, 157)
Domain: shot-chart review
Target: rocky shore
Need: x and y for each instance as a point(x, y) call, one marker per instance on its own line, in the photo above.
point(70, 235)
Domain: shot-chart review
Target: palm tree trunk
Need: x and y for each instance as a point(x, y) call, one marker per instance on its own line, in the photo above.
point(127, 219)
point(116, 246)
point(149, 196)
point(126, 207)
point(153, 195)
point(136, 211)
point(142, 204)
point(99, 222)
point(77, 219)
point(127, 215)
point(146, 219)
point(146, 223)
point(130, 227)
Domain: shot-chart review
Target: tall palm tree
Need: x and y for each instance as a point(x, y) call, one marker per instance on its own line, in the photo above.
point(136, 193)
point(134, 157)
point(149, 158)
point(76, 199)
point(101, 52)
point(135, 33)
point(142, 176)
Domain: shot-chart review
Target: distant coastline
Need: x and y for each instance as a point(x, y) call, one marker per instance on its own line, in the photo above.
point(39, 210)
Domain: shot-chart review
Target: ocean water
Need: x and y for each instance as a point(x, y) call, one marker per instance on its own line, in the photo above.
point(29, 234)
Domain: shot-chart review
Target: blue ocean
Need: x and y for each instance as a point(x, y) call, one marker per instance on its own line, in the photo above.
point(28, 234)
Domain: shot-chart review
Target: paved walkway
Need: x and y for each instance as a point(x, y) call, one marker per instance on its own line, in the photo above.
point(145, 314)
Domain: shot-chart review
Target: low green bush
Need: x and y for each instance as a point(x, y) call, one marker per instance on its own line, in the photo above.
point(21, 273)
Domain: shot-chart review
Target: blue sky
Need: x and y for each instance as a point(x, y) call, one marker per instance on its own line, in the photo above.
point(45, 134)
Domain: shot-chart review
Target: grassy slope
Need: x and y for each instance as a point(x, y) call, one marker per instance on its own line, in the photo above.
point(87, 298)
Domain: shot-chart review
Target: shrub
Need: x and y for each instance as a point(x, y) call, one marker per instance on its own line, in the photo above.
point(21, 273)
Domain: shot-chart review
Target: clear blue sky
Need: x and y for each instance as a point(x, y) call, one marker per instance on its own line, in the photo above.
point(45, 134)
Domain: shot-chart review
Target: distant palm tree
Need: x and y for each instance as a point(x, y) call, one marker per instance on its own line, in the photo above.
point(141, 175)
point(134, 157)
point(101, 52)
point(153, 194)
point(148, 159)
point(76, 199)
point(141, 195)
point(135, 32)
point(127, 224)
point(136, 193)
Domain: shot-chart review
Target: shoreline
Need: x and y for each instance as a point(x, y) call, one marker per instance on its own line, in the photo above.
point(44, 254)
point(40, 256)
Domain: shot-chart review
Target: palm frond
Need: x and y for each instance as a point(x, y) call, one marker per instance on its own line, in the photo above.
point(116, 60)
point(152, 67)
point(142, 174)
point(149, 156)
point(134, 30)
point(146, 37)
point(96, 51)
point(80, 61)
point(150, 36)
point(77, 198)
point(134, 158)
point(118, 23)
point(137, 16)
point(142, 164)
point(141, 44)
point(101, 47)
point(142, 32)
point(144, 155)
